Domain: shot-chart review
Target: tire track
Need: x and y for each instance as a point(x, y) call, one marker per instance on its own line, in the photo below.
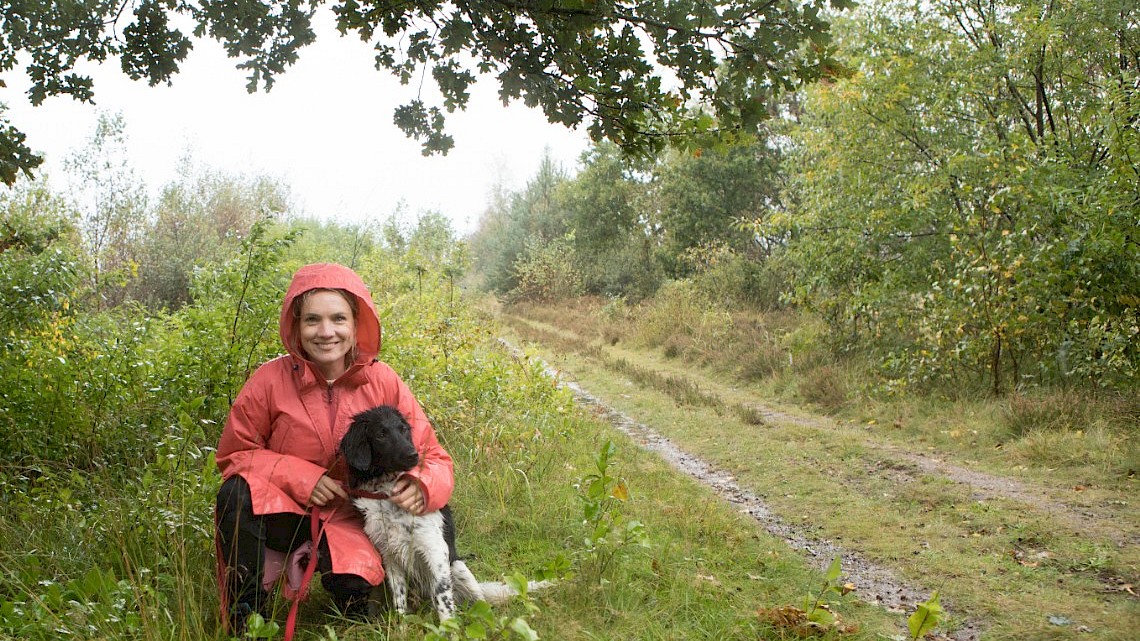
point(874, 583)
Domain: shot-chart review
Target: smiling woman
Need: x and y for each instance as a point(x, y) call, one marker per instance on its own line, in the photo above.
point(327, 329)
point(278, 450)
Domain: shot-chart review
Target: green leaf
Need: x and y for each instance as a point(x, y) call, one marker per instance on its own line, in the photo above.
point(523, 630)
point(833, 571)
point(925, 618)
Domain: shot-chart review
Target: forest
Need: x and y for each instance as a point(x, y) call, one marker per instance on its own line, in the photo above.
point(921, 265)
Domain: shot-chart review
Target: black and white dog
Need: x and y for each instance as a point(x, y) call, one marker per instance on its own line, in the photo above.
point(418, 551)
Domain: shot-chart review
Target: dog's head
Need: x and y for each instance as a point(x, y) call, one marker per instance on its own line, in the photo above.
point(378, 443)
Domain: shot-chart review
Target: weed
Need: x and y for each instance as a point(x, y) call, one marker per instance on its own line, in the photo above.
point(676, 345)
point(481, 622)
point(761, 361)
point(750, 415)
point(824, 387)
point(256, 627)
point(1057, 411)
point(817, 616)
point(925, 618)
point(608, 531)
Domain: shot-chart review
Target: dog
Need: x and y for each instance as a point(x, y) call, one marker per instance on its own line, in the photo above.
point(418, 552)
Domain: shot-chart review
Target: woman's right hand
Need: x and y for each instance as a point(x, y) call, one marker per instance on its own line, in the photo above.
point(326, 490)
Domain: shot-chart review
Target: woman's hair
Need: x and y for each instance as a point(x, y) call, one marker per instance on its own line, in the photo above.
point(299, 304)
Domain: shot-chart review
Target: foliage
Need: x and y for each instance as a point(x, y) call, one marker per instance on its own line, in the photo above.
point(480, 622)
point(96, 603)
point(703, 195)
point(199, 219)
point(608, 530)
point(546, 271)
point(627, 70)
point(111, 203)
point(513, 221)
point(603, 207)
point(681, 311)
point(925, 618)
point(236, 312)
point(817, 617)
point(39, 267)
point(966, 209)
point(634, 223)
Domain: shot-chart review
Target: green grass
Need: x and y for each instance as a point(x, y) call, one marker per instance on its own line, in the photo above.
point(521, 449)
point(124, 549)
point(999, 560)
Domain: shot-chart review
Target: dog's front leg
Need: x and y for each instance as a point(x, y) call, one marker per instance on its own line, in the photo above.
point(397, 581)
point(442, 593)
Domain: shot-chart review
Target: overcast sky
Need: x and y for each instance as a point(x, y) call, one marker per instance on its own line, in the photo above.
point(325, 129)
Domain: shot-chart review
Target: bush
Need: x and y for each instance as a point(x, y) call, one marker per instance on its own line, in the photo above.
point(546, 272)
point(681, 311)
point(734, 281)
point(1069, 409)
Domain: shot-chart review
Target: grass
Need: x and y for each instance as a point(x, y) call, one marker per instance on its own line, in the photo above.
point(521, 449)
point(998, 559)
point(125, 551)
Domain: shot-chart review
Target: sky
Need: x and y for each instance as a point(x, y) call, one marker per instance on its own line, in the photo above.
point(325, 130)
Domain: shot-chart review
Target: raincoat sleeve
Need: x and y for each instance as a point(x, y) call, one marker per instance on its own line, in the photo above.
point(243, 450)
point(436, 472)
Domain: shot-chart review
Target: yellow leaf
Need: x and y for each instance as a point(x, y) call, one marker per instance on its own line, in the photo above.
point(620, 492)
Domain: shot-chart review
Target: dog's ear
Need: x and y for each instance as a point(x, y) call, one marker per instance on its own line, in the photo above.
point(357, 448)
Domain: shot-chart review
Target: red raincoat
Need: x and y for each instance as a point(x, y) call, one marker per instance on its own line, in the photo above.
point(284, 428)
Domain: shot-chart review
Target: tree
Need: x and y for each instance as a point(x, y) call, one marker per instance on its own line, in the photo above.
point(630, 71)
point(199, 219)
point(705, 195)
point(613, 249)
point(111, 202)
point(515, 220)
point(968, 199)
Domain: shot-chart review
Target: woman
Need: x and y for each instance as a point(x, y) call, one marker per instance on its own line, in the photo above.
point(278, 450)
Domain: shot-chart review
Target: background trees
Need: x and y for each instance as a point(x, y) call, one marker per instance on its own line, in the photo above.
point(962, 206)
point(969, 196)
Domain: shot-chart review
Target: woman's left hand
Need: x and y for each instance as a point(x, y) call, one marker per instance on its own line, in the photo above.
point(408, 495)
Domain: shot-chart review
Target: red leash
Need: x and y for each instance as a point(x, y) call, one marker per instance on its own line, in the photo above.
point(316, 531)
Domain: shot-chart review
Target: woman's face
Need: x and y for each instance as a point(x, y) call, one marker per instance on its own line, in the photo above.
point(328, 331)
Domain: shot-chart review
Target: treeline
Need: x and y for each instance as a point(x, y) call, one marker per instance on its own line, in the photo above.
point(961, 203)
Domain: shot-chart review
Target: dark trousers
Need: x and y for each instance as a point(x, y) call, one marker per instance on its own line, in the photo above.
point(244, 537)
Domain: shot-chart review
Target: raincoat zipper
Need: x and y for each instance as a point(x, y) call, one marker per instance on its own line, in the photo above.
point(332, 407)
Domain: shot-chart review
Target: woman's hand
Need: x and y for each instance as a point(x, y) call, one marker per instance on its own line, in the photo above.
point(326, 490)
point(408, 495)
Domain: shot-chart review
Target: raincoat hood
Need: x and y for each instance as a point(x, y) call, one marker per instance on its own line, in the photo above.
point(332, 276)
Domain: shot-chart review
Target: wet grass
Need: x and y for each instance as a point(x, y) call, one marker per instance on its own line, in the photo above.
point(1009, 564)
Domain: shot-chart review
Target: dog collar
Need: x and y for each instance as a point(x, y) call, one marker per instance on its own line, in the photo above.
point(365, 494)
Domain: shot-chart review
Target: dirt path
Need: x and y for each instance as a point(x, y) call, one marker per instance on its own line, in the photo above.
point(874, 583)
point(983, 486)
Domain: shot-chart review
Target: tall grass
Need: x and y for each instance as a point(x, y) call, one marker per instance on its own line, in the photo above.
point(123, 548)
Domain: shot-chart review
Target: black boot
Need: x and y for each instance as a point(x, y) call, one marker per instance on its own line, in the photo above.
point(349, 593)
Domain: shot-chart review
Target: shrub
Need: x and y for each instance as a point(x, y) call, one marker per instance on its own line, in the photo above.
point(546, 272)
